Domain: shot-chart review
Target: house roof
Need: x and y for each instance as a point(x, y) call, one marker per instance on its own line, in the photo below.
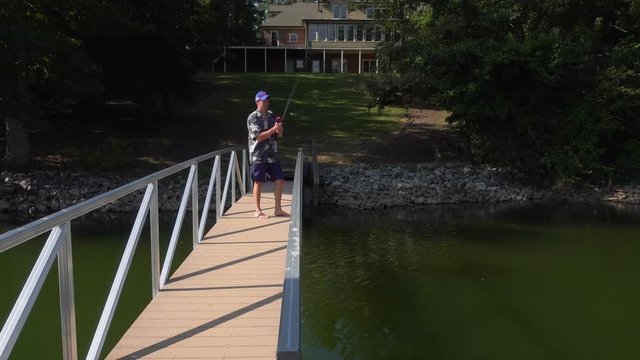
point(294, 14)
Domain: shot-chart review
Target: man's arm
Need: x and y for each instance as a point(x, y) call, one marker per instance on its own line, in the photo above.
point(255, 130)
point(268, 133)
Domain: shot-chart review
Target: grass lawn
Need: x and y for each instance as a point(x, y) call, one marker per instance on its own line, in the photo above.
point(332, 108)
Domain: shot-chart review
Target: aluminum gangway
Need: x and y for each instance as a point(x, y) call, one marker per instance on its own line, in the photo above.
point(236, 295)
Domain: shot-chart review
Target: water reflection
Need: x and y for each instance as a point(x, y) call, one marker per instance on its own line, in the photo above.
point(472, 282)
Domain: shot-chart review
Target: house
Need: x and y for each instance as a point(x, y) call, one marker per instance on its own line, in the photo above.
point(323, 36)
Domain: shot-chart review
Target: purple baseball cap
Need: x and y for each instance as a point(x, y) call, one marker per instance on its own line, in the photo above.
point(262, 95)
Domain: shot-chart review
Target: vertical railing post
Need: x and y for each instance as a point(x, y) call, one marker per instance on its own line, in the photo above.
point(194, 206)
point(67, 297)
point(154, 224)
point(207, 200)
point(218, 179)
point(230, 175)
point(244, 170)
point(233, 176)
point(315, 188)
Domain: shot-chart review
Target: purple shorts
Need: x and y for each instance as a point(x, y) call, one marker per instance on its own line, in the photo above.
point(259, 171)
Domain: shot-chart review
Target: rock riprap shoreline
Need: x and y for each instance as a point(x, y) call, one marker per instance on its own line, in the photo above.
point(42, 192)
point(373, 187)
point(355, 186)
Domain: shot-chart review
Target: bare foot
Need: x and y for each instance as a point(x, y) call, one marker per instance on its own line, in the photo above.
point(280, 213)
point(261, 215)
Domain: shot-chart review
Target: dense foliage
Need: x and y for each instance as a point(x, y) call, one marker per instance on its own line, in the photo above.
point(146, 51)
point(550, 87)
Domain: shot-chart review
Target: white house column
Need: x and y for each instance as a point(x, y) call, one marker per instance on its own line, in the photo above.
point(341, 61)
point(285, 59)
point(265, 59)
point(376, 65)
point(245, 60)
point(224, 53)
point(359, 61)
point(324, 61)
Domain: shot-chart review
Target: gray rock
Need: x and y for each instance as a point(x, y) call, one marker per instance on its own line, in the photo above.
point(6, 189)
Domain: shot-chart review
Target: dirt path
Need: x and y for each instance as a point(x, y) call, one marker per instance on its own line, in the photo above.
point(423, 135)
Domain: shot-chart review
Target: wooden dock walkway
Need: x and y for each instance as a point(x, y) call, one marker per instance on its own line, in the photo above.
point(224, 300)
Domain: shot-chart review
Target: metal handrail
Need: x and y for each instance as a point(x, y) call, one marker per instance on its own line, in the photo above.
point(289, 345)
point(59, 245)
point(38, 227)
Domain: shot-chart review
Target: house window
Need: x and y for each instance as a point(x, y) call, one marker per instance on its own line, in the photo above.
point(293, 38)
point(322, 32)
point(332, 33)
point(335, 65)
point(274, 38)
point(350, 29)
point(340, 33)
point(368, 65)
point(313, 29)
point(368, 33)
point(379, 34)
point(339, 12)
point(371, 13)
point(359, 33)
point(299, 64)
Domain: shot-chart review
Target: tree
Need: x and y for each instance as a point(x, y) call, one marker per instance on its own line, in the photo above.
point(145, 51)
point(619, 95)
point(520, 78)
point(41, 63)
point(149, 50)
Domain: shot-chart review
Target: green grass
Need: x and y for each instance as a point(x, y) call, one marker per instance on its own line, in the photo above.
point(332, 108)
point(122, 137)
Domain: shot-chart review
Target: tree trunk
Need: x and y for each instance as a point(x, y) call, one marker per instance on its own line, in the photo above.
point(18, 151)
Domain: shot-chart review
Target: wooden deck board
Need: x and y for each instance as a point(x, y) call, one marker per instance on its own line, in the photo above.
point(223, 302)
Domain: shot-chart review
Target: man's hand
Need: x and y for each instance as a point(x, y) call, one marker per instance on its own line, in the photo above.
point(278, 128)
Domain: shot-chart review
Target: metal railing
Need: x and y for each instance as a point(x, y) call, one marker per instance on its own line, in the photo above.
point(58, 245)
point(289, 345)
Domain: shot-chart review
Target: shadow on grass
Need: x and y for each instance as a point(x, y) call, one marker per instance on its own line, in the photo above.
point(332, 108)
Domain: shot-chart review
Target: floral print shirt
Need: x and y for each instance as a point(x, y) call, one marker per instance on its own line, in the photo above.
point(265, 151)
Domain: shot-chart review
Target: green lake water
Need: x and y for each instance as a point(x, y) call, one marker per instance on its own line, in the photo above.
point(441, 282)
point(472, 282)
